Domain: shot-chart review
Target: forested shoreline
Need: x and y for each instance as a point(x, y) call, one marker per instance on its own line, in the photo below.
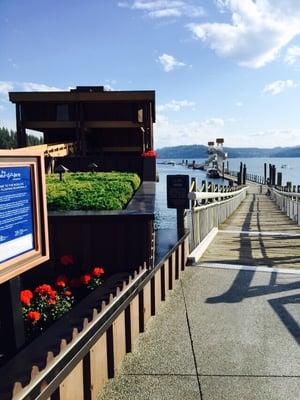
point(8, 139)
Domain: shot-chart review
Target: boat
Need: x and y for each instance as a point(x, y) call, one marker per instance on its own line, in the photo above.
point(214, 165)
point(212, 173)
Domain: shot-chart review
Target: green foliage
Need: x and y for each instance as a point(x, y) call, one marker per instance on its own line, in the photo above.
point(8, 139)
point(91, 191)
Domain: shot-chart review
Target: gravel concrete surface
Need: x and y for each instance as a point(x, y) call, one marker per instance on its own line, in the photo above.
point(221, 335)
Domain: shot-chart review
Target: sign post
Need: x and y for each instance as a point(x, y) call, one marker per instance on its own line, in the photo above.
point(23, 234)
point(178, 187)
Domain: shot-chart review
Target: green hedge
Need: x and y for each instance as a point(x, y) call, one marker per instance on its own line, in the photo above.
point(91, 191)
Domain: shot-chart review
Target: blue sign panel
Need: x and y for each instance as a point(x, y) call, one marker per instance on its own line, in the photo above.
point(16, 214)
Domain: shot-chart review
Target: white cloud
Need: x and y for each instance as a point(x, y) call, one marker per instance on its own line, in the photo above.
point(5, 87)
point(277, 87)
point(169, 62)
point(38, 87)
point(258, 30)
point(175, 105)
point(12, 63)
point(108, 87)
point(172, 133)
point(8, 86)
point(275, 138)
point(165, 8)
point(292, 54)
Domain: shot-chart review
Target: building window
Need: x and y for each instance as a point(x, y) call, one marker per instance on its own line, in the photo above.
point(62, 112)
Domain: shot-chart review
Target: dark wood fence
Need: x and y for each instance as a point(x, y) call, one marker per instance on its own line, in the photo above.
point(77, 355)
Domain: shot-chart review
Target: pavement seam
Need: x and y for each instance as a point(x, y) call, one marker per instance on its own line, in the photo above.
point(244, 267)
point(192, 343)
point(217, 375)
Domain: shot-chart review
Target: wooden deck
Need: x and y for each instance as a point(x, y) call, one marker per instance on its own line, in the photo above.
point(257, 234)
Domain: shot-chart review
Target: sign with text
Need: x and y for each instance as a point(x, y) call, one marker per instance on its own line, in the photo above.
point(23, 215)
point(16, 212)
point(178, 187)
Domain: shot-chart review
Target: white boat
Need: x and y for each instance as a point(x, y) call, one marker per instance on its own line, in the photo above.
point(212, 173)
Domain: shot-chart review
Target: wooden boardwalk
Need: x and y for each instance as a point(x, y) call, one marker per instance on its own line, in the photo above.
point(257, 234)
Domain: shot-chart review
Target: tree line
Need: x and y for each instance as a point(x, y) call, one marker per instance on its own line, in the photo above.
point(8, 139)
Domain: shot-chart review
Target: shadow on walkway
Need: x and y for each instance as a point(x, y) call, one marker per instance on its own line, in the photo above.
point(241, 287)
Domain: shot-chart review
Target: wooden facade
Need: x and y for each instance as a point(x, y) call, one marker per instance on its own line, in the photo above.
point(104, 125)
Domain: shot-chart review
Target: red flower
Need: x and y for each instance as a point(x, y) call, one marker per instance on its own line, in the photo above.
point(26, 296)
point(61, 281)
point(149, 153)
point(52, 294)
point(75, 283)
point(34, 316)
point(68, 293)
point(44, 289)
point(98, 271)
point(51, 301)
point(66, 260)
point(85, 279)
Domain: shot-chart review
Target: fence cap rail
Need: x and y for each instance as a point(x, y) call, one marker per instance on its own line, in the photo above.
point(283, 193)
point(214, 195)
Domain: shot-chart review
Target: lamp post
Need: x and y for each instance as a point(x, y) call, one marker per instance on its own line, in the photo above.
point(61, 169)
point(92, 167)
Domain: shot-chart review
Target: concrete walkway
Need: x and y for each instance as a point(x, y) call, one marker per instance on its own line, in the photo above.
point(221, 335)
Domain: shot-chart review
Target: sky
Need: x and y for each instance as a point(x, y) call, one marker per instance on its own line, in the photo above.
point(220, 68)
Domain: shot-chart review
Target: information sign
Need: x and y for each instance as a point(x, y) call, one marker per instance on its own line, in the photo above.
point(16, 213)
point(177, 191)
point(23, 213)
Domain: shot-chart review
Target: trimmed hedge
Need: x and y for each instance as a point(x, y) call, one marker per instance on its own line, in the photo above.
point(91, 191)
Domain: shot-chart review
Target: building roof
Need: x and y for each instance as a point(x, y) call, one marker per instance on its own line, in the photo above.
point(85, 94)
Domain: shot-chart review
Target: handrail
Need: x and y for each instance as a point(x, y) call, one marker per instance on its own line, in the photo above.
point(214, 195)
point(284, 193)
point(192, 185)
point(287, 201)
point(213, 204)
point(211, 208)
point(83, 327)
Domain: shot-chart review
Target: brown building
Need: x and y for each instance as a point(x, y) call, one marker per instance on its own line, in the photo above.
point(110, 128)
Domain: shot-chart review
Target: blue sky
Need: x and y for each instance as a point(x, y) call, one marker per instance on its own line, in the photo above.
point(228, 68)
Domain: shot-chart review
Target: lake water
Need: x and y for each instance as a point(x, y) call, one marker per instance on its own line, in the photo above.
point(166, 218)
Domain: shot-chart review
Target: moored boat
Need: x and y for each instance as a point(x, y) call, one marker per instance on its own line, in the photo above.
point(213, 173)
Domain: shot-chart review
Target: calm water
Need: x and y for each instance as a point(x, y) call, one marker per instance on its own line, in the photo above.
point(166, 218)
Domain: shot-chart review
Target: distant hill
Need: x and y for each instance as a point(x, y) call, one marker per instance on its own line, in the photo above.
point(200, 151)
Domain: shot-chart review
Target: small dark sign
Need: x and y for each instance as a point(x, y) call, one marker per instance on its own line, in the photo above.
point(178, 187)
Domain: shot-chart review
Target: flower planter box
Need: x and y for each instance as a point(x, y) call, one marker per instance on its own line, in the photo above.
point(120, 241)
point(149, 169)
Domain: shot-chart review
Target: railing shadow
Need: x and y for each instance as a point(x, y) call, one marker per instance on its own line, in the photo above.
point(241, 286)
point(243, 279)
point(279, 306)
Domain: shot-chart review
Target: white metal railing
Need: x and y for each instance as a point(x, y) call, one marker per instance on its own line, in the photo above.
point(288, 202)
point(196, 196)
point(212, 206)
